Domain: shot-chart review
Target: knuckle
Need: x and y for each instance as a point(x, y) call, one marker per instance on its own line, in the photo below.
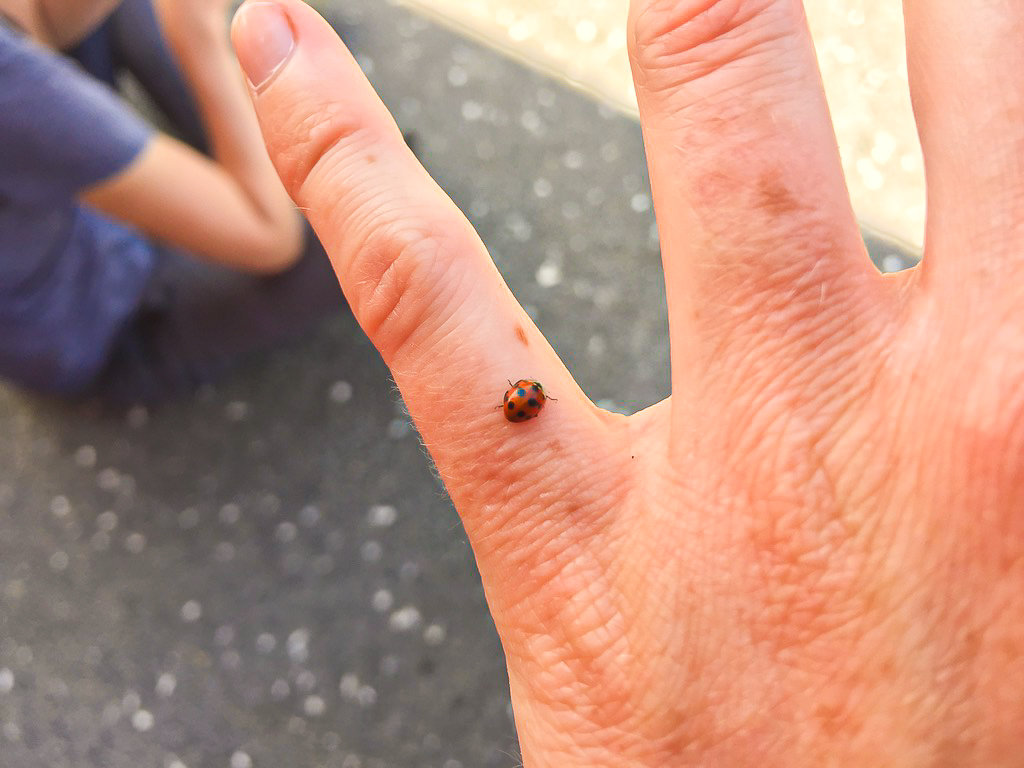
point(398, 273)
point(665, 29)
point(321, 139)
point(674, 42)
point(395, 248)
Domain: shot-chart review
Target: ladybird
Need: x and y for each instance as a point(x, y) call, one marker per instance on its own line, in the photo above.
point(524, 400)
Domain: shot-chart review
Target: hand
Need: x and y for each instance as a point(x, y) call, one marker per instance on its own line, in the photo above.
point(813, 552)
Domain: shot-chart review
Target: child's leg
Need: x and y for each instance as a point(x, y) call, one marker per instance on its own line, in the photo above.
point(201, 320)
point(95, 55)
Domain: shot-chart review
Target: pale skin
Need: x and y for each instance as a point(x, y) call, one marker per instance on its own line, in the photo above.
point(812, 553)
point(229, 208)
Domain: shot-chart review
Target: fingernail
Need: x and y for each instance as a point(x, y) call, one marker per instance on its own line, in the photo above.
point(264, 39)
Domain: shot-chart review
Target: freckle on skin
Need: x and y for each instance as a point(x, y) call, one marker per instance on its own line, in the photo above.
point(773, 196)
point(521, 335)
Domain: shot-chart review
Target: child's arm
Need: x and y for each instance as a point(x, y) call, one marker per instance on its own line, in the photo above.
point(230, 209)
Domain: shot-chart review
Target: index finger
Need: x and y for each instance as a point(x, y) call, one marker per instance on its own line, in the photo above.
point(418, 278)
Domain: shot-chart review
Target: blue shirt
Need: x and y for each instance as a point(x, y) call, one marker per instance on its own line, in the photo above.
point(70, 277)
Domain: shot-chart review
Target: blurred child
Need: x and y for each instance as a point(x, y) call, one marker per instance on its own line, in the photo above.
point(135, 265)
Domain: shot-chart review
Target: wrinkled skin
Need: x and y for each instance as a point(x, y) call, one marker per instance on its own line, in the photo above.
point(811, 554)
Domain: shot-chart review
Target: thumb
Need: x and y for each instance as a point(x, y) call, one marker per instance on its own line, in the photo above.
point(418, 278)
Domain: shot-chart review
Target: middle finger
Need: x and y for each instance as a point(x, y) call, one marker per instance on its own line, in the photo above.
point(758, 236)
